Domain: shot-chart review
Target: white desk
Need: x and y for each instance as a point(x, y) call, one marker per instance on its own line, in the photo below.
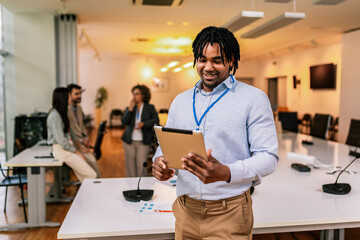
point(286, 201)
point(36, 185)
point(99, 210)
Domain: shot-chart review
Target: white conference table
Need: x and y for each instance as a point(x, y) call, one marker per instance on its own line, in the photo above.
point(36, 184)
point(286, 201)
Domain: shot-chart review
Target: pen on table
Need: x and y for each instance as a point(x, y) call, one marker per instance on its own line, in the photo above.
point(44, 157)
point(158, 210)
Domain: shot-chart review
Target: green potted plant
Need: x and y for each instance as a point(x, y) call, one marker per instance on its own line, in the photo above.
point(100, 99)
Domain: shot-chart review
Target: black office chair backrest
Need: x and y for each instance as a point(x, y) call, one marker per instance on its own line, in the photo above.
point(289, 121)
point(306, 118)
point(163, 110)
point(354, 133)
point(99, 138)
point(320, 125)
point(116, 112)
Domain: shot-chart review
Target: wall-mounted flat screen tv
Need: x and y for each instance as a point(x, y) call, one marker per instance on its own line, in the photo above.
point(323, 76)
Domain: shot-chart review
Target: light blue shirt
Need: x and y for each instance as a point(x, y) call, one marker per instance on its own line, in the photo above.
point(239, 129)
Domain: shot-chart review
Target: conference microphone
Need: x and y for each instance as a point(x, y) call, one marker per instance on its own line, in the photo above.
point(139, 194)
point(307, 142)
point(355, 153)
point(339, 188)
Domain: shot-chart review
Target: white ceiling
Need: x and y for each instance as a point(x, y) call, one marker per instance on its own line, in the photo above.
point(112, 24)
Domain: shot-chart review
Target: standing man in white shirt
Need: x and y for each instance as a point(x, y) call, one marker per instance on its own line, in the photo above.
point(237, 122)
point(77, 127)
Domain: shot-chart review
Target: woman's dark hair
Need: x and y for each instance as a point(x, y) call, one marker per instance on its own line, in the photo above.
point(60, 103)
point(226, 40)
point(145, 92)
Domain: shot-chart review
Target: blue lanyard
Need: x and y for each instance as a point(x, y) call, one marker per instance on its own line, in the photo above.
point(137, 114)
point(211, 105)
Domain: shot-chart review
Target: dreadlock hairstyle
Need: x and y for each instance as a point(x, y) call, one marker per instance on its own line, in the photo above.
point(60, 103)
point(226, 40)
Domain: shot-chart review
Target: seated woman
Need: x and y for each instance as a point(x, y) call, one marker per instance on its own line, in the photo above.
point(59, 136)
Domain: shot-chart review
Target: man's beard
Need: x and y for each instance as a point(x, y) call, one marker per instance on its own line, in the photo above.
point(77, 100)
point(210, 86)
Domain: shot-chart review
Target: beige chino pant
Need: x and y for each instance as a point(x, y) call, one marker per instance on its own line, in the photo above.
point(80, 167)
point(91, 160)
point(136, 154)
point(230, 218)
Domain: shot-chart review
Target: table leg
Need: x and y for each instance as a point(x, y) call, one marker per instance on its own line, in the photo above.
point(55, 193)
point(332, 234)
point(36, 202)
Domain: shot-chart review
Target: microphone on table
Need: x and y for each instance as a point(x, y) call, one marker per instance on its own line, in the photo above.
point(139, 194)
point(307, 142)
point(355, 153)
point(339, 188)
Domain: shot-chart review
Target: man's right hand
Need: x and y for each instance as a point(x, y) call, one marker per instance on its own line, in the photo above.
point(160, 170)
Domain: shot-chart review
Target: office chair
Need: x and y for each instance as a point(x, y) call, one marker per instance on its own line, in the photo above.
point(163, 110)
point(333, 129)
point(306, 123)
point(289, 121)
point(353, 137)
point(115, 113)
point(99, 137)
point(14, 180)
point(320, 125)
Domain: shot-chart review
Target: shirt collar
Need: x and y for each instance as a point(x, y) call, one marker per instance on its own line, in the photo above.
point(227, 83)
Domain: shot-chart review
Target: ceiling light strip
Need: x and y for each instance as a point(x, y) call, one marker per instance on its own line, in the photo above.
point(327, 2)
point(243, 19)
point(274, 24)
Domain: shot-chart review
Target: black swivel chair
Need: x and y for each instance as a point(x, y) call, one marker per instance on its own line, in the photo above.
point(289, 121)
point(320, 125)
point(353, 138)
point(14, 180)
point(306, 123)
point(163, 110)
point(333, 129)
point(115, 113)
point(99, 137)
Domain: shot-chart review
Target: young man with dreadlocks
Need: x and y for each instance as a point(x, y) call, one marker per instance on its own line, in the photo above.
point(236, 119)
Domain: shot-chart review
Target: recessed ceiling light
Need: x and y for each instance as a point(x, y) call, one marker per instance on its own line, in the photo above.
point(168, 50)
point(188, 64)
point(185, 24)
point(170, 23)
point(164, 69)
point(177, 69)
point(173, 64)
point(169, 41)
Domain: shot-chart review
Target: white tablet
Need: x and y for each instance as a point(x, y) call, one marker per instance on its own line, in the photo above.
point(177, 143)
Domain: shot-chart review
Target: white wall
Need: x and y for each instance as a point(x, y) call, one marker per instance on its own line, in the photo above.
point(350, 84)
point(119, 75)
point(30, 68)
point(303, 99)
